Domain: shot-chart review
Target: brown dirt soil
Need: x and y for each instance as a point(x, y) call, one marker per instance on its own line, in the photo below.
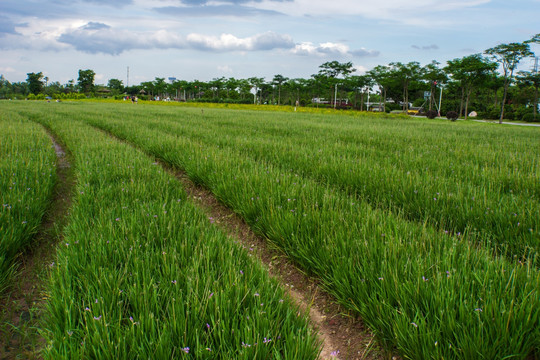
point(22, 305)
point(343, 335)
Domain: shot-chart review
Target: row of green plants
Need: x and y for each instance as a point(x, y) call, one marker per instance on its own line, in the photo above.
point(57, 96)
point(425, 293)
point(465, 184)
point(142, 273)
point(27, 177)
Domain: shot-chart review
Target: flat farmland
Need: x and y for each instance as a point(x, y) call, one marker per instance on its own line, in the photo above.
point(427, 230)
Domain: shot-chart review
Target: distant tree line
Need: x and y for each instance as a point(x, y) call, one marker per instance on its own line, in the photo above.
point(472, 82)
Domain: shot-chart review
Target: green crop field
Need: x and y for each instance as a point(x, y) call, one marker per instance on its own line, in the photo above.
point(27, 176)
point(428, 230)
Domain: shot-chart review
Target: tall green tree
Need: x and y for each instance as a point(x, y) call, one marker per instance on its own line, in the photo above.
point(383, 78)
point(406, 74)
point(231, 84)
point(116, 86)
point(531, 78)
point(470, 71)
point(535, 39)
point(180, 87)
point(86, 80)
point(278, 81)
point(35, 82)
point(434, 76)
point(333, 71)
point(244, 87)
point(160, 86)
point(358, 84)
point(256, 82)
point(5, 88)
point(509, 56)
point(216, 85)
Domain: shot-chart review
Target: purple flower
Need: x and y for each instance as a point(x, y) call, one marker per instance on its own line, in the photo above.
point(266, 341)
point(241, 272)
point(210, 296)
point(207, 325)
point(334, 353)
point(186, 350)
point(256, 294)
point(117, 219)
point(414, 324)
point(97, 318)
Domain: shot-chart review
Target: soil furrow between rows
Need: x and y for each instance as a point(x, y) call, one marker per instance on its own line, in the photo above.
point(343, 334)
point(22, 305)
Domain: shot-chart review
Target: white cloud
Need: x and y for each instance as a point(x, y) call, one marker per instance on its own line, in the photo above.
point(7, 69)
point(229, 42)
point(329, 48)
point(360, 70)
point(412, 11)
point(225, 69)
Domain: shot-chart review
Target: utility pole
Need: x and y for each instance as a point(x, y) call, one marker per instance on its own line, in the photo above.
point(335, 97)
point(440, 101)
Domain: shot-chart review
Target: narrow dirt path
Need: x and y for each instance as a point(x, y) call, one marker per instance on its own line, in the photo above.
point(22, 306)
point(344, 336)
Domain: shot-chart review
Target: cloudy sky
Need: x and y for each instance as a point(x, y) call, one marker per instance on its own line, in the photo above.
point(206, 39)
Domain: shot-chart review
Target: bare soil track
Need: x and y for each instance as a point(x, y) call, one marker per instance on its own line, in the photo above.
point(22, 305)
point(343, 335)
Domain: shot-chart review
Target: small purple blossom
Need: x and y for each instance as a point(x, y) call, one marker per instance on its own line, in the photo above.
point(414, 324)
point(186, 350)
point(334, 353)
point(256, 294)
point(266, 341)
point(241, 272)
point(97, 318)
point(210, 296)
